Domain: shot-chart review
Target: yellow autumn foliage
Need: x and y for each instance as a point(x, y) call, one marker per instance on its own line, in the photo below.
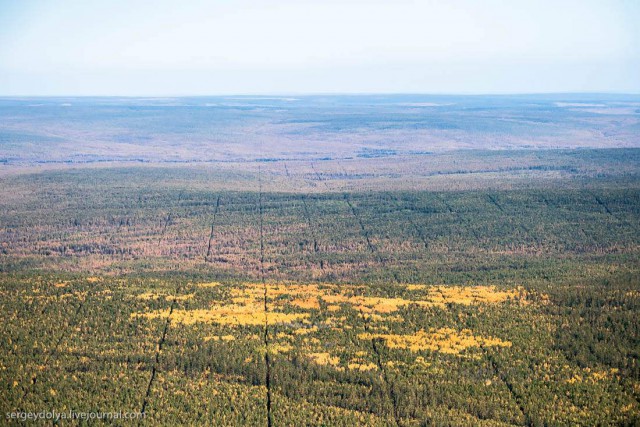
point(179, 297)
point(324, 359)
point(444, 340)
point(146, 296)
point(209, 285)
point(356, 366)
point(220, 338)
point(235, 315)
point(468, 295)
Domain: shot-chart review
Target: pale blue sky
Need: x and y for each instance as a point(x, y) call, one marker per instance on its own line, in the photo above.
point(160, 47)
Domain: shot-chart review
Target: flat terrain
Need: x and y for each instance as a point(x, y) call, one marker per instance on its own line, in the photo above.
point(397, 260)
point(54, 131)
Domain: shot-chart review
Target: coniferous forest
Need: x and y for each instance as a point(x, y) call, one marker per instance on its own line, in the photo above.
point(354, 261)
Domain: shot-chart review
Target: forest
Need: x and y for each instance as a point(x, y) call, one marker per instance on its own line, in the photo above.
point(390, 285)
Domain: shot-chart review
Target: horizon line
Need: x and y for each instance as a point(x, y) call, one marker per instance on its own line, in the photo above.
point(310, 94)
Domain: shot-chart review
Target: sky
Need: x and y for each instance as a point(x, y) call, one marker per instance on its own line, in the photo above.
point(218, 47)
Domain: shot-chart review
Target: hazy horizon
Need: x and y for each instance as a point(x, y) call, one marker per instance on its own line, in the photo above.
point(276, 95)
